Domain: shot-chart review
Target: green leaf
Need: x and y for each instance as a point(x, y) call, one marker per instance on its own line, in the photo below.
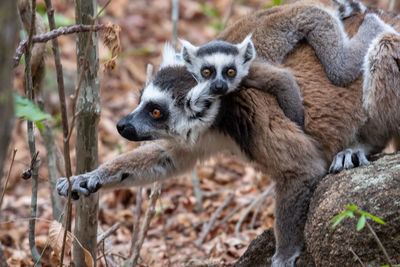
point(361, 223)
point(378, 220)
point(337, 219)
point(352, 207)
point(40, 125)
point(27, 110)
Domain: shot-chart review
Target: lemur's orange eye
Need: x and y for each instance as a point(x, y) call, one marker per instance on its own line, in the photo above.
point(206, 72)
point(231, 72)
point(156, 113)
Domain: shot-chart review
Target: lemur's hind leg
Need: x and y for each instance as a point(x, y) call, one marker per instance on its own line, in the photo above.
point(291, 207)
point(381, 86)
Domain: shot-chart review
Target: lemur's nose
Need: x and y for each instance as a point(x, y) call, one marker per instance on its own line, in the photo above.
point(219, 87)
point(120, 126)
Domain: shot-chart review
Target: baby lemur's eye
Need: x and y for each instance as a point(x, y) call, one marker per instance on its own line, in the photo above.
point(206, 72)
point(231, 72)
point(156, 113)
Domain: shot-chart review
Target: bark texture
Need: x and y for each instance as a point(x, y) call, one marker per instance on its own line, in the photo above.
point(8, 34)
point(88, 109)
point(374, 189)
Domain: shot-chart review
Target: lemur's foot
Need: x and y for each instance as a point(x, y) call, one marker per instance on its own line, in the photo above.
point(85, 184)
point(279, 260)
point(348, 159)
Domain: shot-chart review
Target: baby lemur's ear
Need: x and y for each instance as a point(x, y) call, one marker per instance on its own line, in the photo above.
point(188, 51)
point(170, 57)
point(247, 50)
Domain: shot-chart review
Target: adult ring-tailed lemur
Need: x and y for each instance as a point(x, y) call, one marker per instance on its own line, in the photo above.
point(251, 124)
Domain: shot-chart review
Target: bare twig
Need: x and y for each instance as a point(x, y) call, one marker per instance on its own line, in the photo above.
point(257, 210)
point(8, 177)
point(3, 261)
point(356, 256)
point(138, 213)
point(197, 191)
point(31, 138)
point(229, 14)
point(164, 232)
point(209, 225)
point(64, 119)
point(378, 241)
point(104, 252)
point(155, 193)
point(107, 233)
point(175, 17)
point(250, 207)
point(391, 5)
point(43, 38)
point(227, 217)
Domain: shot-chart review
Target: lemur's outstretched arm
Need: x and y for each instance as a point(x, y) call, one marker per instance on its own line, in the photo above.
point(148, 163)
point(281, 83)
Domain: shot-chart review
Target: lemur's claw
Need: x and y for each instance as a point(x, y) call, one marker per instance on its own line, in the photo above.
point(348, 159)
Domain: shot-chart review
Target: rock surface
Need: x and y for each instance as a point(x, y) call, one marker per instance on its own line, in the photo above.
point(375, 189)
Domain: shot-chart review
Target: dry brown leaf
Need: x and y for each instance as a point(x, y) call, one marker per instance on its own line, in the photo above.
point(88, 257)
point(56, 233)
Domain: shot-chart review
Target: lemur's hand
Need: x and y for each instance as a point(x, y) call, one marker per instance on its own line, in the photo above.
point(85, 184)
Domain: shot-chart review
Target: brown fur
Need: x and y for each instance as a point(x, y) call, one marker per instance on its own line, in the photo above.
point(252, 122)
point(281, 83)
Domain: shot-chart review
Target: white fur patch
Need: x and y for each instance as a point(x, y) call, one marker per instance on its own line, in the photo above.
point(170, 57)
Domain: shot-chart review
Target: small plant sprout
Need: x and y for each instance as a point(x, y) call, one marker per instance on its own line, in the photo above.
point(353, 211)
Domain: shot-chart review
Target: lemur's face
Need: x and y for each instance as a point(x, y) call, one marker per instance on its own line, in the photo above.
point(221, 63)
point(172, 106)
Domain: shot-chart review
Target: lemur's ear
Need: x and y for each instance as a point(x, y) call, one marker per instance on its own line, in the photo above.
point(247, 50)
point(170, 57)
point(188, 51)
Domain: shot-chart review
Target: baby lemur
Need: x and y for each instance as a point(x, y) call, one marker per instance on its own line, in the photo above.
point(226, 65)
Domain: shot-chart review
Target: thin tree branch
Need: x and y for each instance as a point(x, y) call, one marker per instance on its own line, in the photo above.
point(164, 232)
point(175, 18)
point(138, 213)
point(229, 14)
point(55, 33)
point(197, 191)
point(379, 244)
point(31, 139)
point(107, 233)
point(356, 256)
point(208, 226)
point(250, 207)
point(64, 119)
point(155, 193)
point(8, 177)
point(3, 261)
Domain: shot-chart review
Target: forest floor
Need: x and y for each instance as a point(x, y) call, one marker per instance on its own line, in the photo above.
point(178, 223)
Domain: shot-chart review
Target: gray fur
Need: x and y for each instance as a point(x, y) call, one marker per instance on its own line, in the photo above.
point(341, 57)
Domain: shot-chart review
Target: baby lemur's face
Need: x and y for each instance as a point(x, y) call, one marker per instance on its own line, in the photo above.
point(172, 106)
point(221, 63)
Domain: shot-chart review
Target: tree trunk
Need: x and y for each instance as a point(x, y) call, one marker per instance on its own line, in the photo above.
point(374, 189)
point(88, 109)
point(8, 34)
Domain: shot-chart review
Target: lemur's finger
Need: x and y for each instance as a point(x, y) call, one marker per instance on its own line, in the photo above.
point(348, 162)
point(94, 185)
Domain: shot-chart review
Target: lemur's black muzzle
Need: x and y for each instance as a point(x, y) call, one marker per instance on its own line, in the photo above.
point(219, 87)
point(127, 129)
